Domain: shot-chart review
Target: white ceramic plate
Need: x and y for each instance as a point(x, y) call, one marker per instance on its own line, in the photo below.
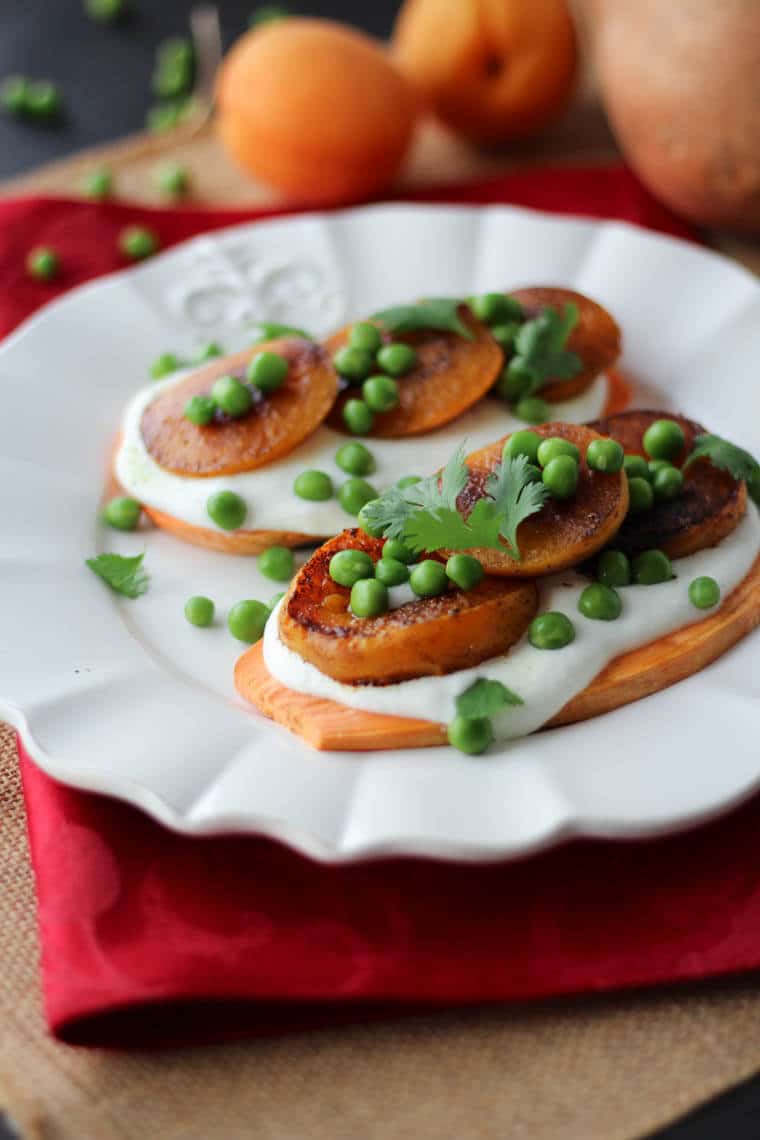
point(126, 698)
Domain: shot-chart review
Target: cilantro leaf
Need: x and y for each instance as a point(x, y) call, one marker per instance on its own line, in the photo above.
point(389, 512)
point(434, 313)
point(728, 457)
point(516, 497)
point(447, 529)
point(124, 575)
point(540, 347)
point(485, 698)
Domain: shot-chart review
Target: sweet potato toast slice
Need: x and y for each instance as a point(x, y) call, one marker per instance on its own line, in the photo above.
point(451, 374)
point(327, 725)
point(227, 542)
point(710, 507)
point(595, 338)
point(563, 533)
point(276, 424)
point(424, 637)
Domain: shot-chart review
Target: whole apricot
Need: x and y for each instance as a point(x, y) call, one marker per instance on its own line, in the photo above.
point(493, 70)
point(315, 109)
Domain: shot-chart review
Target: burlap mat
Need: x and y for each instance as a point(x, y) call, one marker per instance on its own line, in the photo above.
point(610, 1069)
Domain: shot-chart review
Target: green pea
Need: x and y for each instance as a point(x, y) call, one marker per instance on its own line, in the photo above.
point(267, 371)
point(138, 242)
point(226, 509)
point(372, 531)
point(636, 467)
point(208, 351)
point(164, 365)
point(246, 620)
point(533, 410)
point(357, 417)
point(173, 74)
point(99, 184)
point(353, 363)
point(104, 11)
point(350, 566)
point(316, 486)
point(122, 513)
point(13, 94)
point(605, 455)
point(560, 476)
point(640, 495)
point(172, 180)
point(231, 396)
point(495, 308)
point(667, 483)
point(550, 448)
point(505, 334)
point(43, 101)
point(199, 611)
point(275, 600)
point(380, 393)
point(270, 330)
point(43, 263)
point(200, 410)
point(365, 336)
point(613, 568)
point(470, 735)
point(552, 630)
point(428, 578)
point(165, 116)
point(650, 568)
point(600, 603)
point(408, 481)
point(704, 593)
point(369, 598)
point(656, 465)
point(664, 439)
point(523, 443)
point(277, 563)
point(354, 493)
point(355, 459)
point(464, 570)
point(753, 486)
point(515, 381)
point(391, 572)
point(396, 549)
point(396, 359)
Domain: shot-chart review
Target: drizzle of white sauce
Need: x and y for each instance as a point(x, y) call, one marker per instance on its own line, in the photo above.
point(268, 491)
point(545, 679)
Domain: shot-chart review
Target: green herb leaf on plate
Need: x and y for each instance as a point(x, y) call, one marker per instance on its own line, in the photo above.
point(441, 313)
point(540, 347)
point(485, 698)
point(728, 457)
point(515, 496)
point(124, 575)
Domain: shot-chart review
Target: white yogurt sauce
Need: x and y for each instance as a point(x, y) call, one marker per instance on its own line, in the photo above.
point(545, 679)
point(268, 491)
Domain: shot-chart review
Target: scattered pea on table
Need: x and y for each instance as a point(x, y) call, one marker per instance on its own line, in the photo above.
point(199, 611)
point(314, 486)
point(122, 513)
point(246, 620)
point(138, 242)
point(355, 459)
point(704, 592)
point(600, 603)
point(471, 735)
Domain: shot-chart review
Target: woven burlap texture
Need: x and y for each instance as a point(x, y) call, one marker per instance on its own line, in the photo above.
point(610, 1069)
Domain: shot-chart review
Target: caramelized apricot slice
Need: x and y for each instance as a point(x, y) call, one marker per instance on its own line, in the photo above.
point(425, 637)
point(710, 506)
point(595, 338)
point(277, 422)
point(564, 532)
point(451, 374)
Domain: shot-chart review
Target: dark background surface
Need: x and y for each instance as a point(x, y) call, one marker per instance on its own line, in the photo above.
point(104, 76)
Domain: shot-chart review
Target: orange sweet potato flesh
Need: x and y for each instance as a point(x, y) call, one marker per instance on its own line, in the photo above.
point(710, 506)
point(596, 338)
point(327, 725)
point(425, 637)
point(277, 423)
point(451, 374)
point(563, 533)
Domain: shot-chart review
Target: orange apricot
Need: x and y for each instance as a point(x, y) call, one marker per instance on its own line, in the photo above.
point(315, 109)
point(493, 70)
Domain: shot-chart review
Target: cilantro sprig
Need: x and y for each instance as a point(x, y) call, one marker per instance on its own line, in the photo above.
point(728, 457)
point(433, 313)
point(485, 698)
point(540, 349)
point(425, 515)
point(125, 576)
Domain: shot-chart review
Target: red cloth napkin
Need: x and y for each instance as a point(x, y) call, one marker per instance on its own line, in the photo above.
point(150, 938)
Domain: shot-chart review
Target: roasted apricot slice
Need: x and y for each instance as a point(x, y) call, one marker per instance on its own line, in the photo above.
point(595, 338)
point(424, 637)
point(564, 532)
point(709, 507)
point(451, 374)
point(277, 422)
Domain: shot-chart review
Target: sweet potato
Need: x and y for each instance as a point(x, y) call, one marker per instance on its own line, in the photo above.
point(276, 424)
point(427, 636)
